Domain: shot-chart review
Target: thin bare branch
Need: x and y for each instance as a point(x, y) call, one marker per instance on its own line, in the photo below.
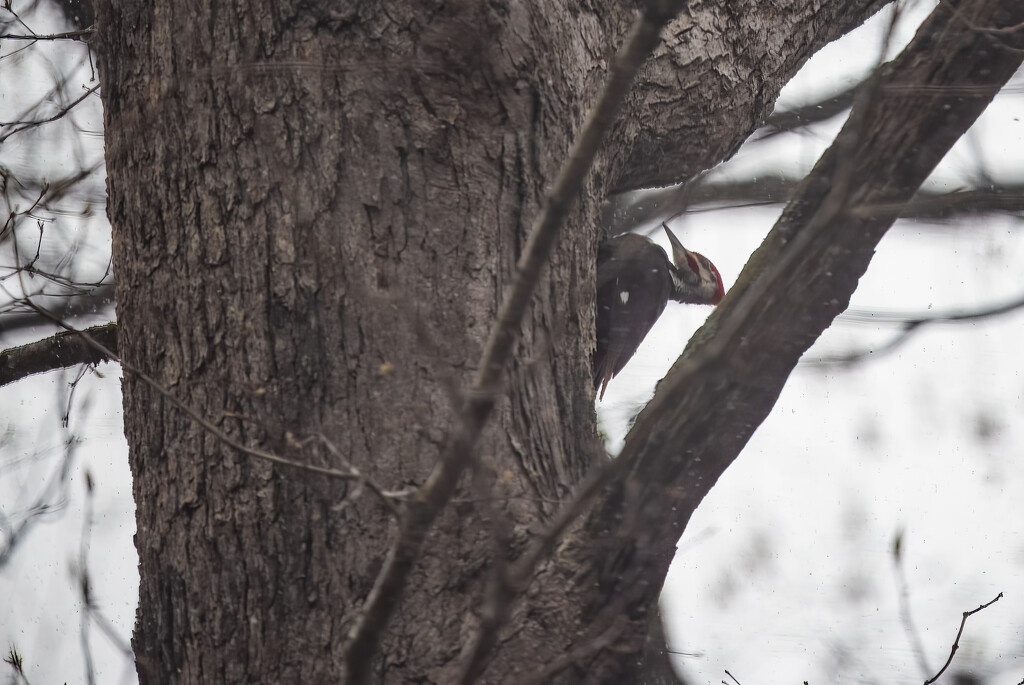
point(598, 637)
point(20, 126)
point(992, 31)
point(388, 498)
point(909, 324)
point(84, 584)
point(16, 316)
point(959, 633)
point(647, 207)
point(805, 115)
point(906, 616)
point(48, 500)
point(202, 421)
point(231, 442)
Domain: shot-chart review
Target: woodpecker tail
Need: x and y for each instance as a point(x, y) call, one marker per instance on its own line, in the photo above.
point(601, 380)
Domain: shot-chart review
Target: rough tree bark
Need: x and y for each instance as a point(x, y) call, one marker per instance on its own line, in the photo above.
point(316, 209)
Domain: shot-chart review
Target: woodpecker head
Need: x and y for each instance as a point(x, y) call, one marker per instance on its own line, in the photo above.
point(695, 280)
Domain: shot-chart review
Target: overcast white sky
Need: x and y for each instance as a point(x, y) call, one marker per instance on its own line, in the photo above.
point(785, 573)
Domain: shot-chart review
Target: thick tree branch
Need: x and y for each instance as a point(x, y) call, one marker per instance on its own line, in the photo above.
point(66, 35)
point(57, 352)
point(793, 287)
point(731, 51)
point(424, 506)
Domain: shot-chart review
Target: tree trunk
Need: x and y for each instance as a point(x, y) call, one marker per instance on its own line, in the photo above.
point(316, 210)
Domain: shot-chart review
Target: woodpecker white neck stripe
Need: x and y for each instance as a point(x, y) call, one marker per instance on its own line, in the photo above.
point(678, 284)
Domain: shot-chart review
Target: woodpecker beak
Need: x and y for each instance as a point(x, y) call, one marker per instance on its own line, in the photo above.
point(680, 255)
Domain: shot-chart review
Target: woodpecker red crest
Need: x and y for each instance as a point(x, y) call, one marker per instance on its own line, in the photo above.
point(635, 280)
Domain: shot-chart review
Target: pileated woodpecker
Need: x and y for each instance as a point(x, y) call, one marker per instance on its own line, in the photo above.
point(635, 279)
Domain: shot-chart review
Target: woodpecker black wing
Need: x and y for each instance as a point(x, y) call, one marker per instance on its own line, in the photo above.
point(633, 286)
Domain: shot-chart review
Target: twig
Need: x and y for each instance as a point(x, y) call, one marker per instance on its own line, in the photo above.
point(906, 617)
point(650, 206)
point(70, 306)
point(492, 613)
point(387, 497)
point(223, 437)
point(56, 484)
point(596, 640)
point(1005, 31)
point(955, 316)
point(197, 417)
point(84, 585)
point(422, 509)
point(10, 10)
point(805, 115)
point(24, 126)
point(909, 325)
point(956, 642)
point(112, 634)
